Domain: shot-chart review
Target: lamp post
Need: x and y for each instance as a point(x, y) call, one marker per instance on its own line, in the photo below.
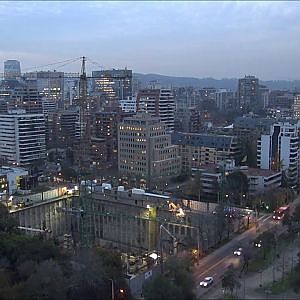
point(112, 289)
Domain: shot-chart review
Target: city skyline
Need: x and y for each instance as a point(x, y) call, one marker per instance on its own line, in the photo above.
point(191, 39)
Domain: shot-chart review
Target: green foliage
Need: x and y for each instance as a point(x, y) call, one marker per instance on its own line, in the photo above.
point(7, 223)
point(68, 173)
point(236, 185)
point(177, 283)
point(192, 187)
point(111, 262)
point(162, 288)
point(230, 280)
point(32, 268)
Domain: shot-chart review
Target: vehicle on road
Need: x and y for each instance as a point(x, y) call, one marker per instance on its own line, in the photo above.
point(238, 252)
point(206, 281)
point(281, 213)
point(258, 244)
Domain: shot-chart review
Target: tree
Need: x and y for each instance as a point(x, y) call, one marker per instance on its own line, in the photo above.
point(267, 241)
point(236, 185)
point(47, 282)
point(161, 288)
point(220, 221)
point(176, 283)
point(230, 281)
point(68, 173)
point(7, 222)
point(111, 261)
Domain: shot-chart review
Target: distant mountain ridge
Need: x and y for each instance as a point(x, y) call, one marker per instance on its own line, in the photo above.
point(225, 83)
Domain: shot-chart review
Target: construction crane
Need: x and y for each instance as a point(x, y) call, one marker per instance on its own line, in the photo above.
point(84, 120)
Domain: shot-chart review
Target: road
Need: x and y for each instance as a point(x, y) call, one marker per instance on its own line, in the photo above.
point(216, 263)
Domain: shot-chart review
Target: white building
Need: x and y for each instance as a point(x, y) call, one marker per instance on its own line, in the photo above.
point(278, 148)
point(159, 103)
point(10, 179)
point(22, 137)
point(261, 180)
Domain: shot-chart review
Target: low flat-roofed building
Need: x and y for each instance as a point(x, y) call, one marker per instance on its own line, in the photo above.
point(261, 180)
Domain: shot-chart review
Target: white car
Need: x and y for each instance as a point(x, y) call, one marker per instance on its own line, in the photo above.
point(207, 281)
point(238, 252)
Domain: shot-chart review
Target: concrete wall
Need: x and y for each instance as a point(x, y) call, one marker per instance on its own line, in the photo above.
point(46, 214)
point(38, 197)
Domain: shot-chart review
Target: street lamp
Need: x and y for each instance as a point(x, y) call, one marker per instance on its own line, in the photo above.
point(112, 289)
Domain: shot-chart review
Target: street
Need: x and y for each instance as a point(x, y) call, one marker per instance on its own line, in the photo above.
point(216, 263)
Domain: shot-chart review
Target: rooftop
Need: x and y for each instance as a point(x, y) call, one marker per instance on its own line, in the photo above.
point(202, 140)
point(259, 172)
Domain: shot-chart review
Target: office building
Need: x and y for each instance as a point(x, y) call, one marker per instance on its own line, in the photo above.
point(12, 69)
point(22, 138)
point(145, 149)
point(50, 85)
point(113, 84)
point(159, 103)
point(20, 95)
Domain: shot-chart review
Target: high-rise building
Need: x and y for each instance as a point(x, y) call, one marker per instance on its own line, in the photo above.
point(263, 96)
point(278, 149)
point(128, 104)
point(159, 103)
point(50, 85)
point(20, 95)
point(296, 106)
point(105, 127)
point(12, 69)
point(70, 125)
point(223, 98)
point(248, 93)
point(113, 84)
point(145, 149)
point(187, 120)
point(22, 137)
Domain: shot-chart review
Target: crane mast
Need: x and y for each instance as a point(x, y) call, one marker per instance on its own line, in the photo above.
point(84, 119)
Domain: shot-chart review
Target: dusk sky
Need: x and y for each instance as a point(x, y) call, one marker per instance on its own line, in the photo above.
point(197, 39)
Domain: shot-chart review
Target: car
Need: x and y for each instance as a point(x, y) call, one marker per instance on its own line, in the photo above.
point(206, 281)
point(238, 251)
point(258, 244)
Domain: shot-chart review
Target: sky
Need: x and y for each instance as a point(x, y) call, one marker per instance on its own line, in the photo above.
point(181, 38)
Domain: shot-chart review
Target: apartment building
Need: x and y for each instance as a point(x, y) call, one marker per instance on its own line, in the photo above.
point(278, 149)
point(22, 137)
point(159, 103)
point(198, 149)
